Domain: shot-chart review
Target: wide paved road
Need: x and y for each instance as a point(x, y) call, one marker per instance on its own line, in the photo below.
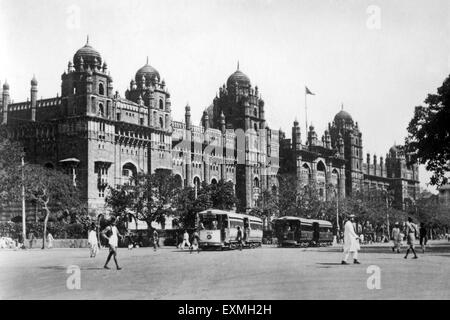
point(264, 273)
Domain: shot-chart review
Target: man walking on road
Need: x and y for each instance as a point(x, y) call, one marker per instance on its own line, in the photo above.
point(112, 234)
point(185, 240)
point(411, 231)
point(423, 236)
point(351, 241)
point(397, 238)
point(239, 237)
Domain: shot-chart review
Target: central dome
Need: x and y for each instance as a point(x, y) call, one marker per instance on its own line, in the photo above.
point(148, 72)
point(88, 54)
point(238, 76)
point(343, 115)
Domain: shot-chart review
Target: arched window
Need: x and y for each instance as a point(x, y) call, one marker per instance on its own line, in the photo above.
point(101, 111)
point(320, 166)
point(93, 108)
point(161, 122)
point(306, 171)
point(255, 113)
point(101, 89)
point(161, 104)
point(274, 190)
point(213, 181)
point(178, 180)
point(256, 182)
point(128, 171)
point(197, 182)
point(256, 127)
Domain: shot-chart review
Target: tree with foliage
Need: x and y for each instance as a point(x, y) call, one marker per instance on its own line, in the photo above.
point(147, 197)
point(428, 139)
point(11, 153)
point(433, 214)
point(190, 201)
point(52, 190)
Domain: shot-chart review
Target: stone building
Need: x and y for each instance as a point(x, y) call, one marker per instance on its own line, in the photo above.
point(335, 163)
point(101, 138)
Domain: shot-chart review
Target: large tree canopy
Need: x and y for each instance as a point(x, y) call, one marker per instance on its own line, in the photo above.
point(146, 197)
point(428, 139)
point(11, 154)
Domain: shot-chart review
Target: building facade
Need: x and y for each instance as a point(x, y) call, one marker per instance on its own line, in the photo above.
point(335, 164)
point(102, 138)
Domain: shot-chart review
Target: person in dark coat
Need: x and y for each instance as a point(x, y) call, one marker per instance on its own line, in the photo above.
point(423, 236)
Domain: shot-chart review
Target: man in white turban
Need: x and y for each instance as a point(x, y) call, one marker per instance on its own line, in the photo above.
point(351, 241)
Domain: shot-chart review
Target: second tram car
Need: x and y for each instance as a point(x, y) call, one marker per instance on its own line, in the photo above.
point(295, 231)
point(218, 229)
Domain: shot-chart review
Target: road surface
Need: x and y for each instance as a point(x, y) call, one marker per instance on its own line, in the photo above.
point(263, 273)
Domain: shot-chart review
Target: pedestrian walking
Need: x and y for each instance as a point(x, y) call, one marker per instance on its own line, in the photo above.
point(396, 238)
point(112, 235)
point(423, 238)
point(155, 239)
point(185, 240)
point(411, 231)
point(239, 237)
point(50, 240)
point(195, 242)
point(93, 241)
point(351, 241)
point(31, 237)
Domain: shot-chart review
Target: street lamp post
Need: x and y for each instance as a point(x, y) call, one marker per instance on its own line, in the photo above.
point(337, 211)
point(24, 232)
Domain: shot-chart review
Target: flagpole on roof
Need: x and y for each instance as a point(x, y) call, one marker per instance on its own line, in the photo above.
point(306, 116)
point(307, 91)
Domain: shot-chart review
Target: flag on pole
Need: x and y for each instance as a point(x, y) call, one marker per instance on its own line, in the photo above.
point(307, 91)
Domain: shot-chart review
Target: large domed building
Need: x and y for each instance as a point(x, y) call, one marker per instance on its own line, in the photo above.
point(335, 163)
point(102, 138)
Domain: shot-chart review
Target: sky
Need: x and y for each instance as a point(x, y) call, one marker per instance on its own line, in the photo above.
point(379, 59)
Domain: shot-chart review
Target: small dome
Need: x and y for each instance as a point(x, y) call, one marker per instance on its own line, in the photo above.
point(148, 72)
point(238, 76)
point(394, 149)
point(88, 54)
point(343, 115)
point(34, 81)
point(6, 86)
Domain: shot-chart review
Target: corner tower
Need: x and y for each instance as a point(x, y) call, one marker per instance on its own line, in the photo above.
point(344, 126)
point(87, 87)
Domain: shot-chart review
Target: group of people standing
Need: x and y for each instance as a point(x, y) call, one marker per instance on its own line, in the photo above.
point(411, 233)
point(194, 246)
point(352, 240)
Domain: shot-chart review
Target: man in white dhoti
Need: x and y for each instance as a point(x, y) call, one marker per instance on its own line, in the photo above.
point(112, 234)
point(351, 241)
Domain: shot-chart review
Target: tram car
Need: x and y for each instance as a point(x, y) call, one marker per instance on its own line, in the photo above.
point(295, 231)
point(218, 229)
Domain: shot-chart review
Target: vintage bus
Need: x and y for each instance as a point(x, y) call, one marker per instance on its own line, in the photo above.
point(218, 229)
point(295, 231)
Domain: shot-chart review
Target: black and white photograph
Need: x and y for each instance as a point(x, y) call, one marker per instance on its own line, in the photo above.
point(208, 150)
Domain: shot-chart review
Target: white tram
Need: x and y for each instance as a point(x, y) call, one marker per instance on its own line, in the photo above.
point(218, 229)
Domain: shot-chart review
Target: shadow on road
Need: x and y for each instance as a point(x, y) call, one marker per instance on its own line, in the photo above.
point(65, 268)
